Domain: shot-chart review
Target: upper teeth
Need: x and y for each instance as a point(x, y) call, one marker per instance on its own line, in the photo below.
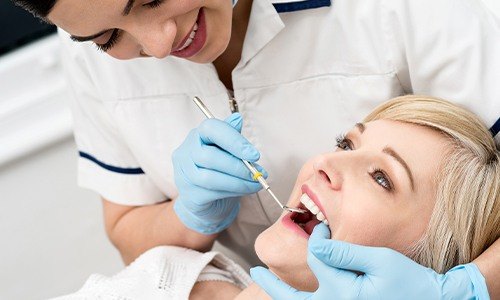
point(311, 206)
point(190, 39)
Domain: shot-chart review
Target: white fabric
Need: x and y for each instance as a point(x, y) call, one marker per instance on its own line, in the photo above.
point(304, 77)
point(164, 272)
point(211, 273)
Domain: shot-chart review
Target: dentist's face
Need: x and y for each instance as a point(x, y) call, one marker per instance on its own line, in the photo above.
point(198, 30)
point(376, 189)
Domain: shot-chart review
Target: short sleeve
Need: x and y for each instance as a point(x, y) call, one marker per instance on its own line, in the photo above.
point(105, 164)
point(448, 49)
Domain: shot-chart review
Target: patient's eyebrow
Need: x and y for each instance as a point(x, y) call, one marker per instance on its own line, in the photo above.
point(398, 158)
point(361, 127)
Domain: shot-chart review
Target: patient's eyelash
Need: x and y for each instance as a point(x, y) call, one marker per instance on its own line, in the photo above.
point(115, 36)
point(381, 178)
point(344, 143)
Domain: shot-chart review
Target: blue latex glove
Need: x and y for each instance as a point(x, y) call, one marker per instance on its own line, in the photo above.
point(387, 275)
point(210, 176)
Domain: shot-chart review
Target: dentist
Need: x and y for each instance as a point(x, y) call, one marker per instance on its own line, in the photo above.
point(289, 68)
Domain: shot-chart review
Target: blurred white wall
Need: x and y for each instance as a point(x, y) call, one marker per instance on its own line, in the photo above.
point(51, 231)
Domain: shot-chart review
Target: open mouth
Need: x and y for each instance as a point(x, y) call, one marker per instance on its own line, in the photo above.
point(308, 220)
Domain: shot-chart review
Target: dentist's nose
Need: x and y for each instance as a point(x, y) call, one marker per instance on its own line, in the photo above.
point(326, 171)
point(158, 42)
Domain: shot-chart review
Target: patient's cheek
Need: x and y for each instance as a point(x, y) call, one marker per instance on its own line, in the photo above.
point(275, 248)
point(264, 249)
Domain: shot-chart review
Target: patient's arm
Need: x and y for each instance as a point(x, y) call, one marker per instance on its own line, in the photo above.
point(489, 265)
point(219, 290)
point(135, 229)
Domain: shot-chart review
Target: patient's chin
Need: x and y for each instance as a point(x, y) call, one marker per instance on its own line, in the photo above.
point(301, 279)
point(286, 260)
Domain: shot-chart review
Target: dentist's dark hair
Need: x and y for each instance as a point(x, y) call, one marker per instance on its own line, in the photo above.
point(39, 8)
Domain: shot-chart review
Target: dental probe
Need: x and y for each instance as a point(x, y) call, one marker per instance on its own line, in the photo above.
point(256, 174)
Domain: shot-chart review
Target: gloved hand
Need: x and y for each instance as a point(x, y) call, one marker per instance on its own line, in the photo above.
point(387, 275)
point(210, 175)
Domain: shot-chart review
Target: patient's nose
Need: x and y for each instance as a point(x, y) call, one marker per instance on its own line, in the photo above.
point(325, 170)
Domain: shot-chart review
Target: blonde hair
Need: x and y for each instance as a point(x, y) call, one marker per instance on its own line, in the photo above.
point(466, 216)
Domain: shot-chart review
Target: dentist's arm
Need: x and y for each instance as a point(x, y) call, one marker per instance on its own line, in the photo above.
point(135, 229)
point(489, 265)
point(387, 274)
point(209, 176)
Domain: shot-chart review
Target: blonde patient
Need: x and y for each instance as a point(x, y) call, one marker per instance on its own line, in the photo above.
point(419, 175)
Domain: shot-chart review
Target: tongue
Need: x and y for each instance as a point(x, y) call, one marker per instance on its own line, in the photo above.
point(308, 228)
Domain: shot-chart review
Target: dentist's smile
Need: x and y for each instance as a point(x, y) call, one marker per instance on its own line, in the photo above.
point(194, 41)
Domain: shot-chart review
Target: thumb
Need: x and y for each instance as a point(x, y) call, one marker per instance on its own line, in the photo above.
point(320, 232)
point(274, 287)
point(235, 120)
point(347, 256)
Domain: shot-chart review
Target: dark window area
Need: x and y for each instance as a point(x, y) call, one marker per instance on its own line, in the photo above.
point(18, 27)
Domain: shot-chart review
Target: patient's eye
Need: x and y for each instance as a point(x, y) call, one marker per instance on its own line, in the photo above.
point(344, 143)
point(382, 179)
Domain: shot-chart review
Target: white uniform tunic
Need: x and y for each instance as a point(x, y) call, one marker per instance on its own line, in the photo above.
point(309, 70)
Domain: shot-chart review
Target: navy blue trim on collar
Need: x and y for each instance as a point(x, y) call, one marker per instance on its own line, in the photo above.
point(301, 5)
point(495, 128)
point(129, 171)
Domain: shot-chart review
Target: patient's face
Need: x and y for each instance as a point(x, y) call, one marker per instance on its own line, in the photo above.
point(376, 189)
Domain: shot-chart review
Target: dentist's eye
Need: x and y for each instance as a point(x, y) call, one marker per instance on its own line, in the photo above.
point(115, 36)
point(382, 179)
point(344, 143)
point(154, 4)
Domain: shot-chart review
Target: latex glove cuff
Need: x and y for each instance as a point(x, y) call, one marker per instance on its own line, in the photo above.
point(459, 276)
point(202, 225)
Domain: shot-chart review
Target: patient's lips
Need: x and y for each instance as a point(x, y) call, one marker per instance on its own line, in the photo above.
point(301, 224)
